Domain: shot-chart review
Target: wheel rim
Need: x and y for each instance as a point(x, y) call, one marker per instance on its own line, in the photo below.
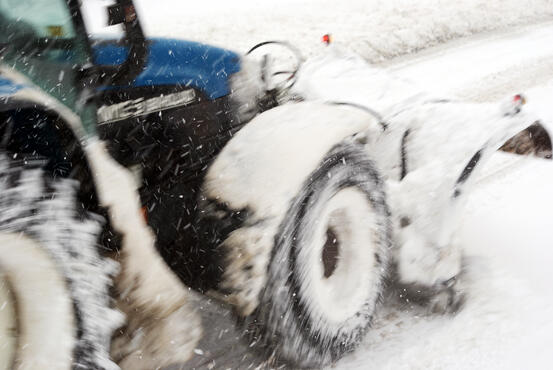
point(46, 330)
point(8, 324)
point(340, 258)
point(331, 252)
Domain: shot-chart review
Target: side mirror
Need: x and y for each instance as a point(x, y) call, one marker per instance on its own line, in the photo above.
point(118, 14)
point(123, 12)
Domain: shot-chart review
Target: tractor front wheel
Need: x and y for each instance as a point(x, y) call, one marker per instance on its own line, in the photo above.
point(328, 263)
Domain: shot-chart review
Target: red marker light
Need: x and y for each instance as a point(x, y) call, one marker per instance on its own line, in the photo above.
point(519, 99)
point(327, 39)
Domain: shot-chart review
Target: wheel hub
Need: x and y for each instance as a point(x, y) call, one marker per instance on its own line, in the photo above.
point(331, 252)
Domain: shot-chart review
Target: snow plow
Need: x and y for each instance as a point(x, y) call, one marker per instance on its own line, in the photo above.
point(296, 203)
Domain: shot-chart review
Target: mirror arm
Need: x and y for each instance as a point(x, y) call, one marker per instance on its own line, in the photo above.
point(124, 12)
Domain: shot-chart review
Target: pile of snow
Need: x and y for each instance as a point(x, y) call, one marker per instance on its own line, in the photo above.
point(377, 29)
point(506, 321)
point(539, 100)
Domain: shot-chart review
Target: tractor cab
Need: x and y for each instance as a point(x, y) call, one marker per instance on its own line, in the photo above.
point(49, 78)
point(46, 41)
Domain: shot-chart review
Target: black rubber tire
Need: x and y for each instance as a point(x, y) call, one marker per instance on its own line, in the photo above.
point(46, 210)
point(285, 323)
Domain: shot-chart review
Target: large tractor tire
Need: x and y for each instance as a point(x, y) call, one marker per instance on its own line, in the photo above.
point(54, 282)
point(328, 263)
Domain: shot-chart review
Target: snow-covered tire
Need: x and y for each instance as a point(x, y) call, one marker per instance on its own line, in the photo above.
point(58, 279)
point(328, 263)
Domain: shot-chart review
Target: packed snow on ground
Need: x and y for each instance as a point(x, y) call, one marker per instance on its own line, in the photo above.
point(484, 67)
point(506, 322)
point(377, 29)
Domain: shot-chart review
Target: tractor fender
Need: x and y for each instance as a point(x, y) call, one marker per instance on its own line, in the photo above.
point(157, 305)
point(52, 130)
point(18, 91)
point(257, 175)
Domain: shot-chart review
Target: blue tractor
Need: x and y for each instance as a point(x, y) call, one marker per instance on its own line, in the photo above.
point(130, 172)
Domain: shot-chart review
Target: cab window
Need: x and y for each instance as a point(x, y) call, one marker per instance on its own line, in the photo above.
point(34, 20)
point(39, 39)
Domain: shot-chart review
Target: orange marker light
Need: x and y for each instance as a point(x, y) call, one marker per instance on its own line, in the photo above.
point(144, 212)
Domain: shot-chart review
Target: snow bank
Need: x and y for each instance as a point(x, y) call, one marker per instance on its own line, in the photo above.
point(506, 322)
point(539, 100)
point(377, 29)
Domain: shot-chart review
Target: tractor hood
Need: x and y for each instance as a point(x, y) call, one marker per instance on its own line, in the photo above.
point(176, 62)
point(8, 87)
point(11, 90)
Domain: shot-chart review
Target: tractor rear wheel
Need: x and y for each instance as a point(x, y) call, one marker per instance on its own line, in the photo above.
point(55, 283)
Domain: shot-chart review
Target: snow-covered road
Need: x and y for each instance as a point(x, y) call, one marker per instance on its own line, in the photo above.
point(483, 67)
point(507, 229)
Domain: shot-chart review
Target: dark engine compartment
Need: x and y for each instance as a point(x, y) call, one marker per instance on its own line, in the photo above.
point(172, 149)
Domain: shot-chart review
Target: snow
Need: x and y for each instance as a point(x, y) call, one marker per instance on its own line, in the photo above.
point(505, 324)
point(486, 68)
point(270, 164)
point(539, 100)
point(377, 29)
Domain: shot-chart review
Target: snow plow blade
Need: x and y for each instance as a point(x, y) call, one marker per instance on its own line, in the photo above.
point(532, 141)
